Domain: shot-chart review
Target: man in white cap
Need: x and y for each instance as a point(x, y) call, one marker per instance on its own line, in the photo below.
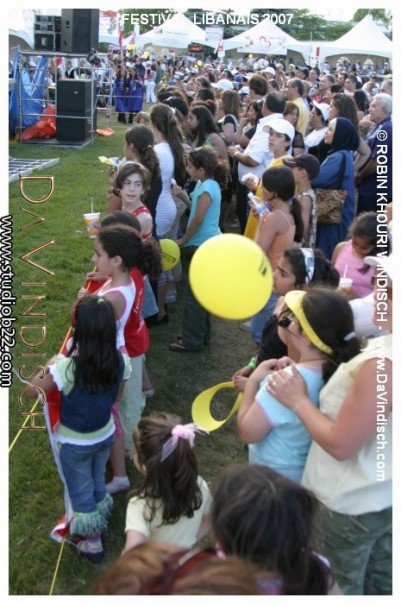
point(257, 156)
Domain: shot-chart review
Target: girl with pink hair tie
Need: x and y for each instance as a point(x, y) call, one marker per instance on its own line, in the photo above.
point(172, 503)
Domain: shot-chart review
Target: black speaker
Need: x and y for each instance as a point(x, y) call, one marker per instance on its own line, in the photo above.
point(79, 30)
point(51, 24)
point(46, 40)
point(74, 130)
point(74, 101)
point(74, 96)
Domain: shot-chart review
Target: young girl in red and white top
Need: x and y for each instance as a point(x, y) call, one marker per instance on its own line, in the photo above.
point(118, 249)
point(136, 335)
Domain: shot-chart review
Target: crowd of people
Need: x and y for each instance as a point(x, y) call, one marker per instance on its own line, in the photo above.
point(308, 514)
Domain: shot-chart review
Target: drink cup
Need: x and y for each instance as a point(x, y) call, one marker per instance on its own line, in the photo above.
point(92, 223)
point(346, 284)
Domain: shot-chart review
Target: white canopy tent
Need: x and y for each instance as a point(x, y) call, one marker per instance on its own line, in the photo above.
point(268, 39)
point(176, 32)
point(366, 38)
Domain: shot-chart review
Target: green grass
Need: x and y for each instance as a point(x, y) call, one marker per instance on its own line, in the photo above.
point(35, 491)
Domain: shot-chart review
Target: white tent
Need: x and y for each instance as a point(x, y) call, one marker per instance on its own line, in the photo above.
point(176, 32)
point(366, 38)
point(268, 39)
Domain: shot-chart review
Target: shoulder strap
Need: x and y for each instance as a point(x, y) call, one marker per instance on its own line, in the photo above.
point(285, 217)
point(342, 170)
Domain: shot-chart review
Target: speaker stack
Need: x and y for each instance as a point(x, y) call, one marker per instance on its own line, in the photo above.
point(79, 30)
point(74, 101)
point(47, 32)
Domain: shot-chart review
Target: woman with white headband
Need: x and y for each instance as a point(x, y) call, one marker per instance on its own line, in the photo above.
point(320, 325)
point(349, 466)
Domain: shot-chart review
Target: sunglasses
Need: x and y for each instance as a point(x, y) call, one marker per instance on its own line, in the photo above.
point(286, 318)
point(177, 565)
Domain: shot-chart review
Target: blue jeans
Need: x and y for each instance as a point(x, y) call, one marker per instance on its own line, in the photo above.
point(260, 319)
point(84, 469)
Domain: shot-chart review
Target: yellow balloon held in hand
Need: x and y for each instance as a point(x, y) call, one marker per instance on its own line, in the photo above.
point(170, 253)
point(199, 63)
point(231, 277)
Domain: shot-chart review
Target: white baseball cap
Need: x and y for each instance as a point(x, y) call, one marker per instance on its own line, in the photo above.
point(270, 70)
point(282, 126)
point(323, 108)
point(223, 85)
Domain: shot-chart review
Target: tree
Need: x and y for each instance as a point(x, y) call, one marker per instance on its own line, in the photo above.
point(305, 25)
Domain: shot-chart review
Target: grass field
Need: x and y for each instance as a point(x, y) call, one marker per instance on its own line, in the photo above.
point(35, 490)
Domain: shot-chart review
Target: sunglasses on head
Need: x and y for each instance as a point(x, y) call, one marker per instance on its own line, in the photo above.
point(286, 318)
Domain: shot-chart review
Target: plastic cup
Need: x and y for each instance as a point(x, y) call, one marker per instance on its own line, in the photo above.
point(92, 223)
point(346, 284)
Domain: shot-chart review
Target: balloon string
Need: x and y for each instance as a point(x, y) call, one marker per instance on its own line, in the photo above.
point(57, 567)
point(21, 430)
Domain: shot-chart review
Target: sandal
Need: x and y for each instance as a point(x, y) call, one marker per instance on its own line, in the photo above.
point(180, 347)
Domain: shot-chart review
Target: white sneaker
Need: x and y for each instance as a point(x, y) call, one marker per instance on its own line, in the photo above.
point(119, 483)
point(247, 326)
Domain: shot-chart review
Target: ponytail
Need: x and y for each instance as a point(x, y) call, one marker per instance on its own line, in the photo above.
point(150, 262)
point(221, 174)
point(141, 137)
point(308, 575)
point(149, 159)
point(296, 212)
point(331, 318)
point(163, 119)
point(344, 352)
point(124, 241)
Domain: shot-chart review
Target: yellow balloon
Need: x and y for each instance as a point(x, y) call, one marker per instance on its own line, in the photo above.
point(199, 63)
point(170, 253)
point(201, 414)
point(231, 277)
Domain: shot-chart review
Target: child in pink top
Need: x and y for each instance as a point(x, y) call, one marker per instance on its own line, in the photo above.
point(367, 238)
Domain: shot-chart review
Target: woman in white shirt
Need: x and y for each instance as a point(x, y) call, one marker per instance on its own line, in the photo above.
point(170, 153)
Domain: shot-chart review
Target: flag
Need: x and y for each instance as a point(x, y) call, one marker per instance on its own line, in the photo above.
point(120, 31)
point(219, 46)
